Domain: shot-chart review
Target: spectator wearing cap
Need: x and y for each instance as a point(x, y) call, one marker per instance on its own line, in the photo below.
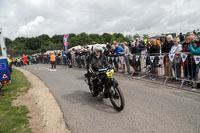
point(139, 45)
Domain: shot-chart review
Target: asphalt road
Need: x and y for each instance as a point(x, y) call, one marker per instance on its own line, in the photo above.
point(150, 108)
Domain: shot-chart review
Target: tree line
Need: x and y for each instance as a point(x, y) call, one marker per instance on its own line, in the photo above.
point(43, 43)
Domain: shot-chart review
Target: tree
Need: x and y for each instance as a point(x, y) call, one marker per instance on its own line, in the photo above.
point(95, 38)
point(130, 37)
point(8, 42)
point(83, 39)
point(145, 36)
point(107, 38)
point(57, 38)
point(136, 36)
point(42, 43)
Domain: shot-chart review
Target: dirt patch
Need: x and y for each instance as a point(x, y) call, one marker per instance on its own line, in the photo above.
point(46, 115)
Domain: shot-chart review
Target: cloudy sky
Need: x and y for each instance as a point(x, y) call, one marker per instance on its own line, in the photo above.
point(34, 17)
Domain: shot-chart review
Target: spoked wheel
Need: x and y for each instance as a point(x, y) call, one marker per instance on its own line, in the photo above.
point(117, 98)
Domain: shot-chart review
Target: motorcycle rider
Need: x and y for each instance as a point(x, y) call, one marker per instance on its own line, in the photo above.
point(96, 61)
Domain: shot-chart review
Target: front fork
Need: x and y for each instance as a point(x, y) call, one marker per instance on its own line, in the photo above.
point(111, 82)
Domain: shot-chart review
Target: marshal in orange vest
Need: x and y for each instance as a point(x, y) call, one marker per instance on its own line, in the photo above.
point(53, 57)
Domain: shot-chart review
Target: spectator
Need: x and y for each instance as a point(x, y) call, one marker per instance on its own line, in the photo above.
point(139, 45)
point(158, 42)
point(195, 50)
point(126, 58)
point(155, 49)
point(148, 45)
point(135, 63)
point(165, 50)
point(78, 57)
point(112, 52)
point(176, 49)
point(53, 61)
point(118, 49)
point(129, 44)
point(69, 58)
point(182, 38)
point(108, 46)
point(189, 66)
point(25, 59)
point(106, 52)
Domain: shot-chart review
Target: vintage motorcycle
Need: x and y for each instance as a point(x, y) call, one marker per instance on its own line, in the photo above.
point(104, 85)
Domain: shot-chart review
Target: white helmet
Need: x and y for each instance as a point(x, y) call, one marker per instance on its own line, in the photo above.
point(97, 49)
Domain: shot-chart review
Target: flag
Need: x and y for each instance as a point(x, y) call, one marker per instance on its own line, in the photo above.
point(137, 57)
point(66, 41)
point(161, 57)
point(184, 57)
point(145, 57)
point(152, 58)
point(171, 57)
point(197, 59)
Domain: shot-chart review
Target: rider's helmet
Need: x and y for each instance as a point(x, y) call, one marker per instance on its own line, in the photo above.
point(97, 49)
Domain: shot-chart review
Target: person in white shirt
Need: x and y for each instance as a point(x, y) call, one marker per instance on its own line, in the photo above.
point(126, 59)
point(176, 50)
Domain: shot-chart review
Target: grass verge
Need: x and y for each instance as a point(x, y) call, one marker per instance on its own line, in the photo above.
point(14, 119)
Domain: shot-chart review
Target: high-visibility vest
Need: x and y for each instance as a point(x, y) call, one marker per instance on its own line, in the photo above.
point(145, 41)
point(53, 57)
point(9, 61)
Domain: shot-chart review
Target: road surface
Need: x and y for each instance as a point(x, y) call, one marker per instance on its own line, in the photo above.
point(150, 108)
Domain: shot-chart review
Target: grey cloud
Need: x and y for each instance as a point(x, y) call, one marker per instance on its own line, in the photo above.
point(94, 16)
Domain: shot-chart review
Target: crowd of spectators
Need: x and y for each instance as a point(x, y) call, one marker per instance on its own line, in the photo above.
point(175, 55)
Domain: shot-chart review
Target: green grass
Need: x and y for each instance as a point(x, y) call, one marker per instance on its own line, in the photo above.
point(14, 119)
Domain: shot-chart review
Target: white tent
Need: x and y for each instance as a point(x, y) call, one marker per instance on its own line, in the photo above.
point(90, 46)
point(52, 51)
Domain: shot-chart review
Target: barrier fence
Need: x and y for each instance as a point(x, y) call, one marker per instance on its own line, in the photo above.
point(183, 67)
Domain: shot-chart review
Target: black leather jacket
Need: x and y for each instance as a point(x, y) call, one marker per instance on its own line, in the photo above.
point(96, 63)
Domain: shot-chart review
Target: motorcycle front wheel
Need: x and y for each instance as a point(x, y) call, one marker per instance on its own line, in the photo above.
point(117, 98)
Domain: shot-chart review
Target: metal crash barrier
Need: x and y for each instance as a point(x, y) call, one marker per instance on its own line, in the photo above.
point(183, 68)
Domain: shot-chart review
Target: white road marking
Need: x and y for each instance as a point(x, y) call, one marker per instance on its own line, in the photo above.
point(141, 77)
point(39, 69)
point(52, 70)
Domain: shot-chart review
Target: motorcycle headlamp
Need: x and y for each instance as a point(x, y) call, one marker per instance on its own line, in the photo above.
point(110, 73)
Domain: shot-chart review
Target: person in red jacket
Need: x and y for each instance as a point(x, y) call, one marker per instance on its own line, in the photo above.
point(25, 59)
